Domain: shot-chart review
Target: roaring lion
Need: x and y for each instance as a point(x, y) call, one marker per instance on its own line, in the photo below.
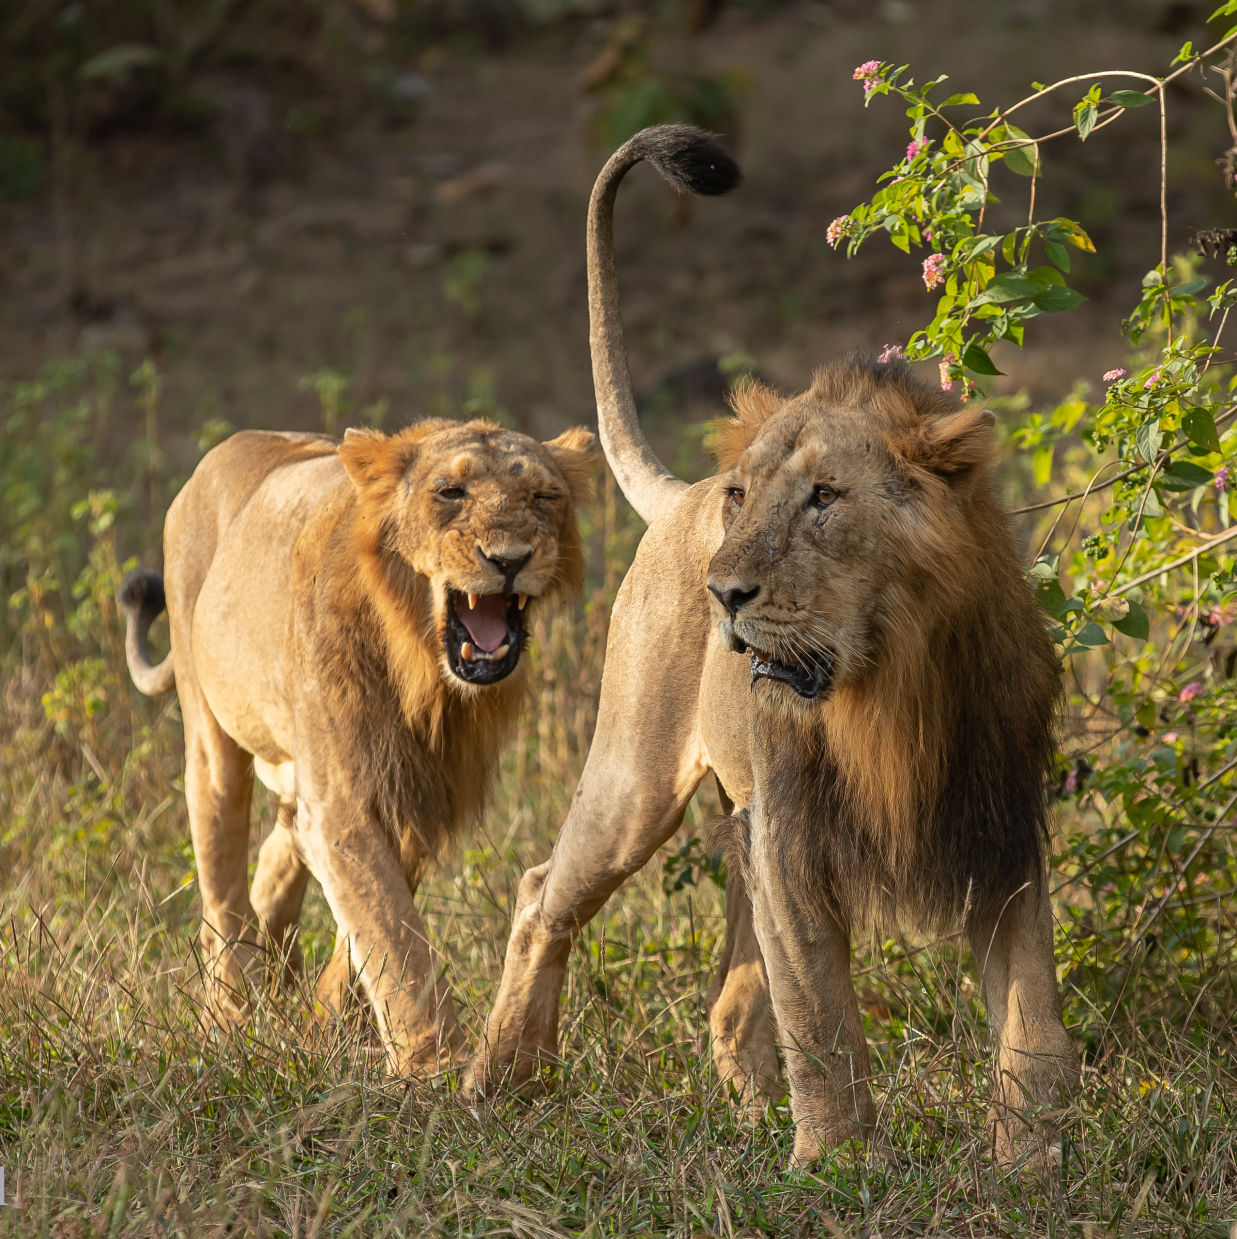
point(345, 619)
point(838, 628)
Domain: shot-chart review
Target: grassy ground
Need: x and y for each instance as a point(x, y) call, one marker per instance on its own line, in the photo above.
point(122, 1112)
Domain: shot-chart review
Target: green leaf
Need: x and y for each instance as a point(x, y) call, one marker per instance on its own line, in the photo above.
point(1022, 160)
point(1200, 428)
point(1073, 232)
point(1134, 623)
point(1041, 464)
point(957, 100)
point(1184, 475)
point(1057, 253)
point(1058, 298)
point(977, 359)
point(1130, 98)
point(119, 59)
point(1147, 440)
point(1051, 597)
point(1008, 286)
point(982, 244)
point(1084, 119)
point(1091, 635)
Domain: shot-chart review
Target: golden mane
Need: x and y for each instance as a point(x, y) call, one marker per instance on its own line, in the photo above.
point(955, 711)
point(434, 748)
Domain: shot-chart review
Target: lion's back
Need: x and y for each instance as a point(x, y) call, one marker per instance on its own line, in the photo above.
point(228, 544)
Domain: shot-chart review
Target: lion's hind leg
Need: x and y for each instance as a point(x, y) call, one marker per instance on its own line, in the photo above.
point(281, 877)
point(1037, 1065)
point(279, 885)
point(218, 792)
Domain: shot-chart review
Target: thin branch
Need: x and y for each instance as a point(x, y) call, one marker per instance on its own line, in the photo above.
point(1203, 839)
point(1093, 489)
point(1219, 540)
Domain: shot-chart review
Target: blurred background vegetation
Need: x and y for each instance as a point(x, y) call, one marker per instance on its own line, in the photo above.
point(316, 213)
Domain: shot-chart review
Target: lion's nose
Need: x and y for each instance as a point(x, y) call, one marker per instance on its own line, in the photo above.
point(734, 597)
point(508, 564)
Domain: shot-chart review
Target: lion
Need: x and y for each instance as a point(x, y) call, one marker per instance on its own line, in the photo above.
point(838, 628)
point(347, 621)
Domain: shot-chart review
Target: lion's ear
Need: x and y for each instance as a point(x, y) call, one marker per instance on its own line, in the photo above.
point(370, 456)
point(575, 452)
point(950, 445)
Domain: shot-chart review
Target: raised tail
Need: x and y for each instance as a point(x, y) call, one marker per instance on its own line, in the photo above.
point(692, 163)
point(142, 598)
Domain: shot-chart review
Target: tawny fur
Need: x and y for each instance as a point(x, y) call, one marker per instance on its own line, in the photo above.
point(307, 587)
point(853, 534)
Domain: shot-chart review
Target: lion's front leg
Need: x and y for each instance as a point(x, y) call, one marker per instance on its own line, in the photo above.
point(742, 1027)
point(807, 955)
point(387, 947)
point(614, 826)
point(1037, 1064)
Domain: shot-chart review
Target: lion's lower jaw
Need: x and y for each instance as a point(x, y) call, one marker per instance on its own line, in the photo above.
point(474, 692)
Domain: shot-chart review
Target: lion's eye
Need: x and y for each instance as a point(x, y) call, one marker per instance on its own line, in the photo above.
point(544, 496)
point(451, 492)
point(737, 495)
point(823, 496)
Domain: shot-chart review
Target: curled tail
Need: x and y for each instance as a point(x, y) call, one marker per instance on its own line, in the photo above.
point(142, 598)
point(692, 163)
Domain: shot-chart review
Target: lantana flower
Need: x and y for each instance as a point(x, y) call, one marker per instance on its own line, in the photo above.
point(1111, 376)
point(933, 270)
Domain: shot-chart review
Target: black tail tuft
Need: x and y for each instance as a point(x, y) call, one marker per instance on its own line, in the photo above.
point(142, 592)
point(688, 158)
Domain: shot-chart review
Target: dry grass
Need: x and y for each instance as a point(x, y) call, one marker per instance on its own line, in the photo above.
point(122, 1112)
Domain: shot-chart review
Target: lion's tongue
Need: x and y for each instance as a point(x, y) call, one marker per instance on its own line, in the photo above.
point(486, 622)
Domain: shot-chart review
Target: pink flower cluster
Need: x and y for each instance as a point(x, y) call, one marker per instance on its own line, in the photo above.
point(1221, 480)
point(1191, 690)
point(868, 73)
point(933, 270)
point(891, 352)
point(913, 148)
point(947, 362)
point(1111, 376)
point(837, 230)
point(1154, 377)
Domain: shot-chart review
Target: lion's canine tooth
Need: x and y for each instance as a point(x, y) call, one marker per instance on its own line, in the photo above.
point(472, 602)
point(501, 652)
point(466, 650)
point(521, 600)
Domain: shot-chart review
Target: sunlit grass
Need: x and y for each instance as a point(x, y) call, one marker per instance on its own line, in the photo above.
point(124, 1112)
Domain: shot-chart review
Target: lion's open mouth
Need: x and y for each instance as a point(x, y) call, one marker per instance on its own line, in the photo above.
point(485, 634)
point(812, 677)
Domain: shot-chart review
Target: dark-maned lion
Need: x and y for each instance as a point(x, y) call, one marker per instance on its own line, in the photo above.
point(837, 626)
point(345, 620)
